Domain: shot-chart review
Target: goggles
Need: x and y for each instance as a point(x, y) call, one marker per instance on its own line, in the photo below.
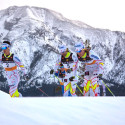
point(78, 47)
point(79, 51)
point(3, 48)
point(61, 66)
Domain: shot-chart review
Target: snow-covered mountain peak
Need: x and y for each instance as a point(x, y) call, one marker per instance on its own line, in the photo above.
point(35, 34)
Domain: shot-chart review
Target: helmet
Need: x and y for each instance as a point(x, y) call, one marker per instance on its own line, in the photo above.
point(61, 65)
point(62, 48)
point(79, 46)
point(5, 45)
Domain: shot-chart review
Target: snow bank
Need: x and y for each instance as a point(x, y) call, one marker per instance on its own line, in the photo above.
point(62, 110)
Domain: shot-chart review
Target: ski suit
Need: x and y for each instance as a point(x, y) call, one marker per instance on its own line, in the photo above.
point(69, 61)
point(10, 64)
point(93, 67)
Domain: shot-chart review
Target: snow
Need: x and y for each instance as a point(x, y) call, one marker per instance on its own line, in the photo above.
point(2, 35)
point(62, 110)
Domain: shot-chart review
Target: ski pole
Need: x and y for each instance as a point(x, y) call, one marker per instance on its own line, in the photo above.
point(79, 77)
point(42, 91)
point(79, 89)
point(57, 78)
point(108, 88)
point(104, 84)
point(75, 84)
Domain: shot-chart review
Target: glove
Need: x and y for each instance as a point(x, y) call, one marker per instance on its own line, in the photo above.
point(71, 78)
point(51, 71)
point(100, 76)
point(86, 73)
point(96, 74)
point(26, 77)
point(82, 76)
point(69, 70)
point(81, 81)
point(56, 74)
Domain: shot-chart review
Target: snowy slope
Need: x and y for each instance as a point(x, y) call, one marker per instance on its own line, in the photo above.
point(61, 111)
point(35, 34)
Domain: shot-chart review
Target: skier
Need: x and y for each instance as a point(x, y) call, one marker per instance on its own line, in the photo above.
point(101, 84)
point(61, 74)
point(10, 62)
point(69, 61)
point(92, 66)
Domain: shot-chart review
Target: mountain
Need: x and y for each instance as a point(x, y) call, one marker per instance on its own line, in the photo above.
point(35, 34)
